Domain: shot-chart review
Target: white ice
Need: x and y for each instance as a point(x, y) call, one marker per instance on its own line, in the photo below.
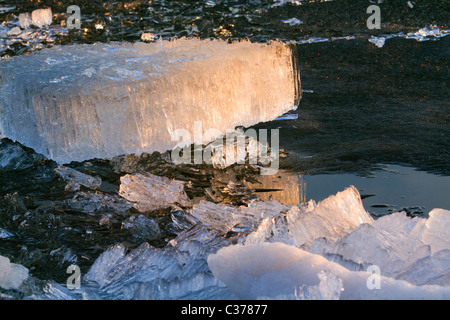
point(11, 275)
point(178, 271)
point(327, 250)
point(79, 102)
point(149, 192)
point(77, 179)
point(42, 17)
point(25, 20)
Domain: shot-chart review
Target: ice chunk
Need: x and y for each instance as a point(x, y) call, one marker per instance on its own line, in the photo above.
point(329, 288)
point(25, 20)
point(275, 269)
point(42, 17)
point(292, 22)
point(143, 228)
point(436, 230)
point(331, 218)
point(149, 192)
point(378, 41)
point(237, 148)
point(77, 179)
point(178, 271)
point(368, 245)
point(5, 234)
point(401, 247)
point(14, 31)
point(215, 216)
point(13, 156)
point(224, 218)
point(133, 101)
point(274, 229)
point(426, 33)
point(89, 202)
point(148, 36)
point(11, 275)
point(434, 269)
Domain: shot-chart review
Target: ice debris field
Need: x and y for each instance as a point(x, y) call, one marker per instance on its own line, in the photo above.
point(103, 100)
point(330, 250)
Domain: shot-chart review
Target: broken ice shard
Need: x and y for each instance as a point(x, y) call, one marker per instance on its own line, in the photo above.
point(148, 192)
point(275, 269)
point(78, 102)
point(11, 275)
point(42, 17)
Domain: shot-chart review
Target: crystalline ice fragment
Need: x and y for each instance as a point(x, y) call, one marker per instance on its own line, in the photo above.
point(149, 192)
point(329, 288)
point(88, 202)
point(434, 269)
point(78, 102)
point(78, 178)
point(224, 218)
point(147, 36)
point(14, 157)
point(25, 20)
point(5, 234)
point(178, 271)
point(274, 269)
point(42, 17)
point(403, 248)
point(11, 275)
point(14, 31)
point(142, 227)
point(331, 218)
point(436, 230)
point(237, 147)
point(215, 216)
point(378, 41)
point(292, 21)
point(368, 245)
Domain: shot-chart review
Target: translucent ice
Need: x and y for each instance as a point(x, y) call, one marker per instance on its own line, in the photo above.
point(79, 102)
point(436, 230)
point(178, 271)
point(276, 269)
point(13, 156)
point(400, 246)
point(76, 179)
point(11, 275)
point(42, 17)
point(143, 228)
point(224, 218)
point(331, 218)
point(237, 147)
point(25, 20)
point(149, 192)
point(90, 202)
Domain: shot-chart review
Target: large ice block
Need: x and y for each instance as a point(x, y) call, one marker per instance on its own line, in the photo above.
point(84, 101)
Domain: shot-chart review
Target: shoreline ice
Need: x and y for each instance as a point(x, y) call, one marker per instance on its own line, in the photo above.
point(306, 251)
point(78, 102)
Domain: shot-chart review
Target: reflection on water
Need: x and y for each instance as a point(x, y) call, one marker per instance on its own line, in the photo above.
point(285, 187)
point(394, 188)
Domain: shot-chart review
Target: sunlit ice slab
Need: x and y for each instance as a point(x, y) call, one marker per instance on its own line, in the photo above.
point(87, 101)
